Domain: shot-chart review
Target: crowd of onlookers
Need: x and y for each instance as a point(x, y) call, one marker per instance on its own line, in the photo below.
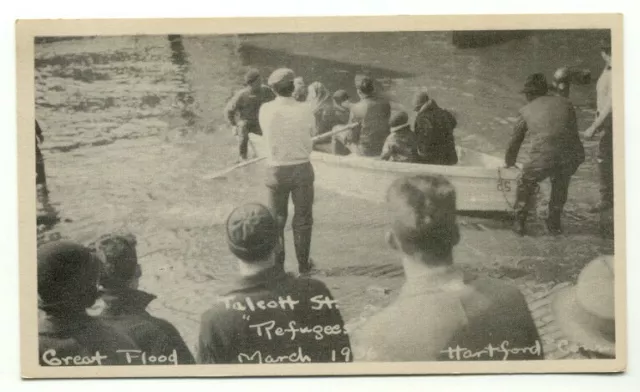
point(92, 311)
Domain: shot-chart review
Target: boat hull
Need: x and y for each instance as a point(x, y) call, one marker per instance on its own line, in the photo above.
point(481, 183)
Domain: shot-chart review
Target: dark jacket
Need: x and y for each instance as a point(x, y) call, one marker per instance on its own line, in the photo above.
point(125, 310)
point(329, 115)
point(451, 315)
point(554, 139)
point(82, 336)
point(400, 146)
point(372, 113)
point(243, 108)
point(231, 332)
point(434, 130)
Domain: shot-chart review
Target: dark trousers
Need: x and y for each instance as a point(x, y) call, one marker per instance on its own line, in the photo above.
point(243, 137)
point(297, 181)
point(604, 158)
point(528, 186)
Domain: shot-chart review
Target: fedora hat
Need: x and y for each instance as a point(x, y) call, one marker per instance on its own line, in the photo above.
point(536, 83)
point(585, 312)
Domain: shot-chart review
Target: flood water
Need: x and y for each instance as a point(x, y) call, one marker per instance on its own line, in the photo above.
point(132, 124)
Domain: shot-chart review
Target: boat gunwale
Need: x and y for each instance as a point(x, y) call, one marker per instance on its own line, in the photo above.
point(361, 163)
point(372, 164)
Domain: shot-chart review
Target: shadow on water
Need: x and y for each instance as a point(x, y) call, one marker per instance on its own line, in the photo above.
point(184, 100)
point(333, 74)
point(483, 38)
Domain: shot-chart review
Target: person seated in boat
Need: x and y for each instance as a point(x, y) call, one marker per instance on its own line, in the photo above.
point(300, 91)
point(242, 109)
point(372, 113)
point(561, 83)
point(442, 313)
point(319, 100)
point(124, 306)
point(555, 152)
point(67, 286)
point(401, 145)
point(334, 112)
point(434, 130)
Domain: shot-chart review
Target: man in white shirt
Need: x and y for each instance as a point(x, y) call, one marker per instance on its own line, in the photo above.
point(287, 126)
point(604, 123)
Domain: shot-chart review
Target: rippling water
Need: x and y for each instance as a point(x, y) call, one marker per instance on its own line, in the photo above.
point(133, 123)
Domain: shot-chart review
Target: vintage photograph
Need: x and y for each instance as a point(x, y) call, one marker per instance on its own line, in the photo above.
point(430, 198)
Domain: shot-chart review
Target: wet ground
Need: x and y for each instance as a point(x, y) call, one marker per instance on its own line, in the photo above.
point(132, 125)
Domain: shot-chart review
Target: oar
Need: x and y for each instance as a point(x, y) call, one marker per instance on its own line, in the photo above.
point(344, 128)
point(315, 139)
point(224, 172)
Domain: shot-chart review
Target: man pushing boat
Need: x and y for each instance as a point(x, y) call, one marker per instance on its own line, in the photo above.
point(287, 126)
point(555, 153)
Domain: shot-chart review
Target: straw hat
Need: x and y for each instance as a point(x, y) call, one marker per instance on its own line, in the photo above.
point(586, 312)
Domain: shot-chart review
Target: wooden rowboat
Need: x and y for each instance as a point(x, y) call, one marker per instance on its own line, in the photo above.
point(481, 181)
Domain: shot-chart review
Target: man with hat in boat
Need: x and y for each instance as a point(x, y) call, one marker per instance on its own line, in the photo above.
point(555, 153)
point(561, 82)
point(241, 327)
point(67, 286)
point(564, 77)
point(401, 144)
point(288, 126)
point(442, 313)
point(242, 109)
point(335, 113)
point(124, 306)
point(372, 113)
point(603, 124)
point(585, 312)
point(434, 131)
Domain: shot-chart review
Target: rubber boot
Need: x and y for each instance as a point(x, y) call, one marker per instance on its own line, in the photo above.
point(520, 223)
point(553, 222)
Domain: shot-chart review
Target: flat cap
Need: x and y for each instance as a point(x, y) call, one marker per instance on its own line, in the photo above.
point(281, 76)
point(252, 232)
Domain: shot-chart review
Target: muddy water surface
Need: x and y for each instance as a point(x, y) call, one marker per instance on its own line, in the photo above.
point(133, 123)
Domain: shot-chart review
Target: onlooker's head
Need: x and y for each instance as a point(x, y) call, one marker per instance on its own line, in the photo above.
point(562, 81)
point(252, 234)
point(67, 278)
point(340, 97)
point(585, 312)
point(535, 86)
point(281, 82)
point(423, 217)
point(366, 87)
point(253, 79)
point(119, 268)
point(420, 99)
